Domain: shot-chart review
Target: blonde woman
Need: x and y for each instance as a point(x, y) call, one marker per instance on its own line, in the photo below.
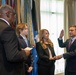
point(45, 52)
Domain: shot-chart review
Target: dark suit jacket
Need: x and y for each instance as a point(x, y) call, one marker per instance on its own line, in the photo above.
point(70, 55)
point(11, 56)
point(43, 55)
point(29, 61)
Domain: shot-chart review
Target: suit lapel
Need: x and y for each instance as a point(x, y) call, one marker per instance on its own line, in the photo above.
point(74, 43)
point(23, 41)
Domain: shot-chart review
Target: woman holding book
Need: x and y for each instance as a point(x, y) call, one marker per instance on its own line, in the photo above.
point(22, 31)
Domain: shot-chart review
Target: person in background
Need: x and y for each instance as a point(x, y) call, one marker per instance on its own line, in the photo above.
point(45, 50)
point(11, 55)
point(70, 55)
point(22, 31)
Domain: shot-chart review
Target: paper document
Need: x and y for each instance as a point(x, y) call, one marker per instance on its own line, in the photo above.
point(27, 48)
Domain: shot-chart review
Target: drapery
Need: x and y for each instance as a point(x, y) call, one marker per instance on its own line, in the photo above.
point(24, 14)
point(69, 15)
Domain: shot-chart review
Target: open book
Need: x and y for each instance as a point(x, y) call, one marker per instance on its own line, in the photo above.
point(27, 48)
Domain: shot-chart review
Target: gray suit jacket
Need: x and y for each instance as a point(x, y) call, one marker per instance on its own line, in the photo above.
point(11, 56)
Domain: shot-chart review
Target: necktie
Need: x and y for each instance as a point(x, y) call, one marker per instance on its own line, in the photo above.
point(70, 42)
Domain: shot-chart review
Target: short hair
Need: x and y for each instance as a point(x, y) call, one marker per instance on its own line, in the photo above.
point(73, 26)
point(5, 8)
point(20, 26)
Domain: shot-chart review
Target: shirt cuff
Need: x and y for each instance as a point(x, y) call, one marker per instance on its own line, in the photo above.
point(60, 38)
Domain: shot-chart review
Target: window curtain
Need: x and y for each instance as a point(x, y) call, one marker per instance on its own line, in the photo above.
point(52, 18)
point(23, 10)
point(69, 15)
point(0, 2)
point(37, 7)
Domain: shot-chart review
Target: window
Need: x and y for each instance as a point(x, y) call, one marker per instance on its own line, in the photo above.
point(52, 18)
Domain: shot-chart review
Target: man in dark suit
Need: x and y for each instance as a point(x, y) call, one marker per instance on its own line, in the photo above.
point(11, 56)
point(70, 55)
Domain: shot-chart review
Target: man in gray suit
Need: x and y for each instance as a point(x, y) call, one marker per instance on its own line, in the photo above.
point(11, 56)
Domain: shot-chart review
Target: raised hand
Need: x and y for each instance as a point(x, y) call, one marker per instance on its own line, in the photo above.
point(61, 34)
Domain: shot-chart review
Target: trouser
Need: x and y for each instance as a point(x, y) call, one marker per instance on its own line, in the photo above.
point(69, 73)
